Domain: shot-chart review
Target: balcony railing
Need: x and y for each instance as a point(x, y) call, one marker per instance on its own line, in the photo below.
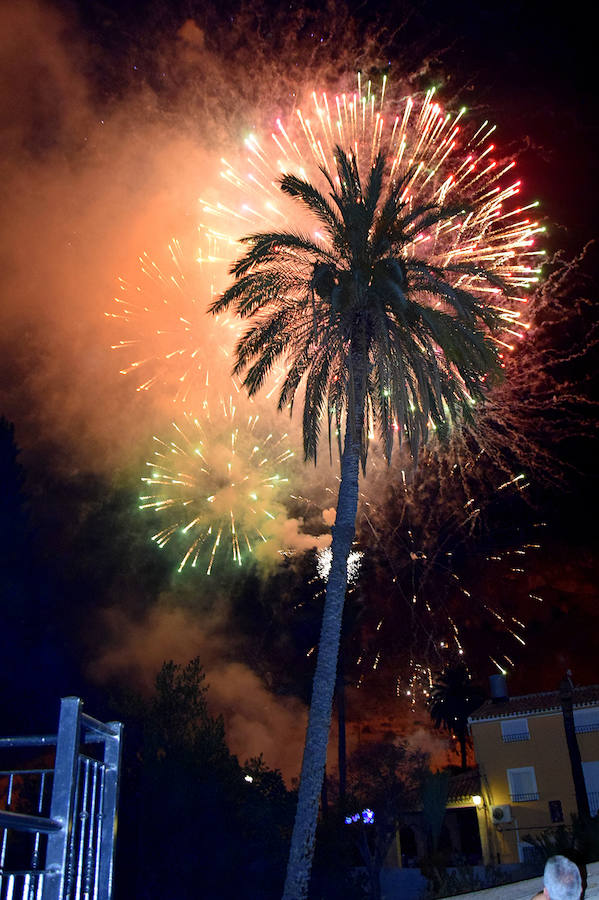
point(518, 736)
point(524, 798)
point(586, 727)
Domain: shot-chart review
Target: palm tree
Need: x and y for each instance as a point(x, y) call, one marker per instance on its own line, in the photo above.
point(375, 335)
point(452, 699)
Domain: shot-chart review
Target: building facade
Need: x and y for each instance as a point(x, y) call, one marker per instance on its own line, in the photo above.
point(526, 775)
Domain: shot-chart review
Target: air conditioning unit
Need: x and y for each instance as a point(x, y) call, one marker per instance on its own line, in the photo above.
point(501, 815)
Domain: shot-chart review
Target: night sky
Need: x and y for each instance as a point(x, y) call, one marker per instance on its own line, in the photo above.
point(114, 119)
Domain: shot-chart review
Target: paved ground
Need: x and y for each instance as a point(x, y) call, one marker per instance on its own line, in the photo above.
point(525, 890)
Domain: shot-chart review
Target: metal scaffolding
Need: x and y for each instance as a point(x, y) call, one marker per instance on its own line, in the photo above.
point(58, 803)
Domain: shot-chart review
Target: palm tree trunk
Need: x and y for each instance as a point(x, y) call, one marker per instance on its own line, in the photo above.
point(319, 722)
point(324, 797)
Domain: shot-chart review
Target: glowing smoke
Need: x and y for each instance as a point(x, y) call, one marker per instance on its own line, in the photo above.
point(254, 718)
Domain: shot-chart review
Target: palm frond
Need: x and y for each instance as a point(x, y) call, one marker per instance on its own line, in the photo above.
point(374, 188)
point(314, 402)
point(255, 290)
point(269, 247)
point(266, 341)
point(351, 186)
point(312, 199)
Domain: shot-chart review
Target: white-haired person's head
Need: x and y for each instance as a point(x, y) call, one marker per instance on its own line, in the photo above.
point(562, 879)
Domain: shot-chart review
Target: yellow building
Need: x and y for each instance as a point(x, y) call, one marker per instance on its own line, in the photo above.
point(526, 776)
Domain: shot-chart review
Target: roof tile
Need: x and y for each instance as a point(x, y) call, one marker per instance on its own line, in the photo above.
point(585, 695)
point(463, 786)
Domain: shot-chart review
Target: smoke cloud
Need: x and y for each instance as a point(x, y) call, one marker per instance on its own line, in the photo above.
point(89, 186)
point(255, 719)
point(90, 181)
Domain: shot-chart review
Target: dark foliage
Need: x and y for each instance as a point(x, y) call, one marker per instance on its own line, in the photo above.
point(453, 698)
point(383, 778)
point(192, 825)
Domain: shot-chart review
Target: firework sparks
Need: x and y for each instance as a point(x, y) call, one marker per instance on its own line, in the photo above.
point(324, 559)
point(545, 400)
point(469, 484)
point(169, 338)
point(448, 165)
point(486, 240)
point(423, 556)
point(218, 484)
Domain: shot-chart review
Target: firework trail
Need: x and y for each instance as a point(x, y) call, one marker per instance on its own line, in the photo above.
point(169, 340)
point(218, 484)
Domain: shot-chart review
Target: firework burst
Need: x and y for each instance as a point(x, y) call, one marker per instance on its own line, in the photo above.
point(217, 486)
point(169, 339)
point(446, 164)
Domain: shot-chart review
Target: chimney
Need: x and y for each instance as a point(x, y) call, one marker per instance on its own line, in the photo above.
point(498, 687)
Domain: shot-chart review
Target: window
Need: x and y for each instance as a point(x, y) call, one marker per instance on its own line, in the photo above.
point(591, 780)
point(586, 720)
point(515, 730)
point(523, 784)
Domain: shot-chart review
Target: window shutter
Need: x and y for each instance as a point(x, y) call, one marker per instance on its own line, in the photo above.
point(515, 730)
point(586, 719)
point(523, 784)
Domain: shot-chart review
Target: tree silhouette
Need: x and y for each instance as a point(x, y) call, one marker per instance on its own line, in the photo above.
point(193, 821)
point(453, 698)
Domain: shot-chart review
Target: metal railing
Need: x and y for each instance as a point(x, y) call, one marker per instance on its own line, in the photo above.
point(518, 736)
point(586, 727)
point(523, 798)
point(58, 816)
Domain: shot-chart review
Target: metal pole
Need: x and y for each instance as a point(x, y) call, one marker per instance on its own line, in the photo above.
point(61, 809)
point(112, 762)
point(566, 693)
